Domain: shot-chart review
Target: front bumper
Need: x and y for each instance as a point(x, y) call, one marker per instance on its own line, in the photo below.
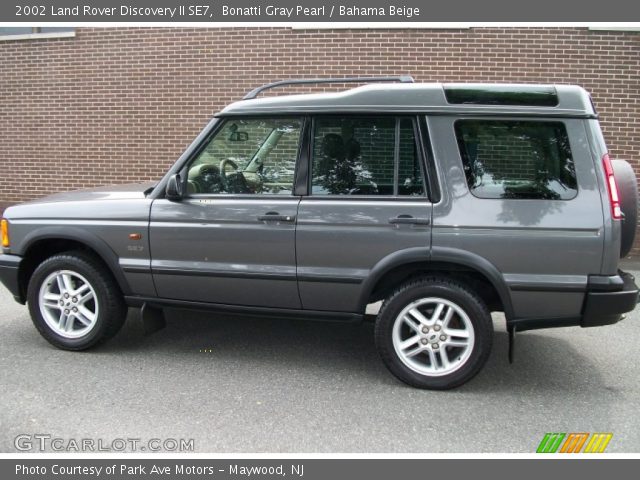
point(607, 303)
point(9, 271)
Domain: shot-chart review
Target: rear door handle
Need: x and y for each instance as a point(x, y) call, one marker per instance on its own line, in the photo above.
point(409, 220)
point(276, 217)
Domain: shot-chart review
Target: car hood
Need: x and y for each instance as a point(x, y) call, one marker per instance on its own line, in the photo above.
point(113, 202)
point(128, 191)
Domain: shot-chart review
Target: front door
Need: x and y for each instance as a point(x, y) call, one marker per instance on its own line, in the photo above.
point(231, 240)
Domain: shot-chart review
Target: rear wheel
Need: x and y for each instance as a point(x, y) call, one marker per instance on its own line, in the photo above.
point(434, 333)
point(74, 301)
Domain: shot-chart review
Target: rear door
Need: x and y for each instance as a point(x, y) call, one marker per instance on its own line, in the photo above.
point(367, 200)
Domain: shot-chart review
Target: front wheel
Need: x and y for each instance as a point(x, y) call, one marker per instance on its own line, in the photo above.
point(434, 333)
point(74, 301)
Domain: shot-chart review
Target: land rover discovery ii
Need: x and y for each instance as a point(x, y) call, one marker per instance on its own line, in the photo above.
point(445, 202)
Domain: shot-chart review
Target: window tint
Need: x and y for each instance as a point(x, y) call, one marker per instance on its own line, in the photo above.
point(248, 156)
point(409, 169)
point(357, 156)
point(502, 95)
point(517, 159)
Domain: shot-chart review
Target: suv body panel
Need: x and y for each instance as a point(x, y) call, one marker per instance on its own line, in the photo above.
point(100, 219)
point(573, 101)
point(340, 242)
point(553, 244)
point(611, 228)
point(216, 250)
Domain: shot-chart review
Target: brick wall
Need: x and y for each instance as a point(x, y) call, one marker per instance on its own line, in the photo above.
point(120, 105)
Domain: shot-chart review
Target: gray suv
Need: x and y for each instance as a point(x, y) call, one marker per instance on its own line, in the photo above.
point(445, 202)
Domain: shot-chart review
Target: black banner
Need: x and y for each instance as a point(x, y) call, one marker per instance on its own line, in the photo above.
point(323, 11)
point(314, 469)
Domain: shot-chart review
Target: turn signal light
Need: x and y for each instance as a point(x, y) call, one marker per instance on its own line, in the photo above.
point(4, 227)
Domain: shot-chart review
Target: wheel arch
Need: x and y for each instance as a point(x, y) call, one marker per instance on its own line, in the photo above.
point(45, 242)
point(404, 264)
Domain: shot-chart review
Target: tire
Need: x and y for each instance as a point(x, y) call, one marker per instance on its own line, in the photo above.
point(78, 284)
point(628, 191)
point(414, 354)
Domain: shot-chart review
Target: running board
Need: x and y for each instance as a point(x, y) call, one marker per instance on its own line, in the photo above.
point(155, 303)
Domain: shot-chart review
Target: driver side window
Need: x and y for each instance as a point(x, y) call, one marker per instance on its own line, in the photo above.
point(248, 156)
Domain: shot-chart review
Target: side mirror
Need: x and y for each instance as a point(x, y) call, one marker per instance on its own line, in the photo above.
point(173, 191)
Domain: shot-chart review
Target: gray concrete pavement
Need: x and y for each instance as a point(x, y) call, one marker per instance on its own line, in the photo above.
point(287, 386)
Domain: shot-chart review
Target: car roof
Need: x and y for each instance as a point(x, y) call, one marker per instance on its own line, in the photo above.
point(435, 98)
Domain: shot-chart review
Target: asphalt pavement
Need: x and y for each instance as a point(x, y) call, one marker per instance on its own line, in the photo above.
point(254, 385)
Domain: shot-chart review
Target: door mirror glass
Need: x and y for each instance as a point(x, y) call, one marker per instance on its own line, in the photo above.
point(173, 191)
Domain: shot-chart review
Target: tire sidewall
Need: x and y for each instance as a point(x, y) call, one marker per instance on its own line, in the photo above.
point(474, 308)
point(81, 266)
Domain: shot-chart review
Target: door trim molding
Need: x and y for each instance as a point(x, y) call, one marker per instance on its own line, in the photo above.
point(222, 273)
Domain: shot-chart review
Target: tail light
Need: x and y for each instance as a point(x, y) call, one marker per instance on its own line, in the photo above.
point(612, 187)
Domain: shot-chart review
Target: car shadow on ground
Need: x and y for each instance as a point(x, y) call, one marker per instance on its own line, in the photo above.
point(542, 361)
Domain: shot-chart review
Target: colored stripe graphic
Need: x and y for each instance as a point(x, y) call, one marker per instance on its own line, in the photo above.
point(550, 442)
point(598, 442)
point(574, 442)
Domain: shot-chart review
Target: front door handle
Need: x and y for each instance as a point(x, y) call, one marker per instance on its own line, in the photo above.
point(409, 220)
point(276, 217)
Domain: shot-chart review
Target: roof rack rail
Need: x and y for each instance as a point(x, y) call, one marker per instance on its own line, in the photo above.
point(256, 91)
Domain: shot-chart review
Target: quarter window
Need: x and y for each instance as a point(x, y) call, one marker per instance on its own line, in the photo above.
point(248, 156)
point(409, 167)
point(365, 156)
point(517, 159)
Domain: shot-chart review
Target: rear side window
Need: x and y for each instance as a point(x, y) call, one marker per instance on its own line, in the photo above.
point(365, 156)
point(517, 159)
